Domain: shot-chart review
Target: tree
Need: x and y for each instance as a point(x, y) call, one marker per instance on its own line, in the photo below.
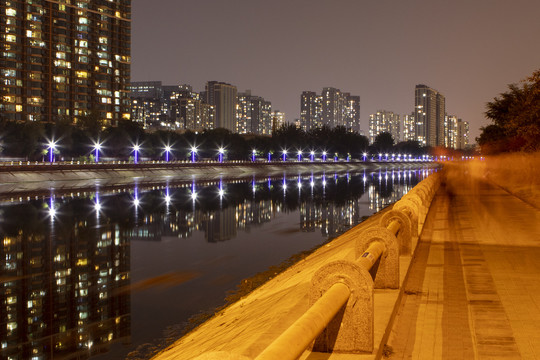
point(383, 142)
point(516, 118)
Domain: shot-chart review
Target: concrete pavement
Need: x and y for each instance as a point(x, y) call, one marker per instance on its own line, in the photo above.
point(473, 289)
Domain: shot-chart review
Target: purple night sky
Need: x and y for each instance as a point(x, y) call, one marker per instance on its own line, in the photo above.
point(467, 50)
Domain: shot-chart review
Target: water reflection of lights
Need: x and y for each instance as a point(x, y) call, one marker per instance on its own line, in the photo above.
point(52, 210)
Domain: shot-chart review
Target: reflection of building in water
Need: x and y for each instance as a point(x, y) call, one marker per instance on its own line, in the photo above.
point(380, 197)
point(253, 212)
point(220, 225)
point(332, 219)
point(338, 219)
point(182, 223)
point(62, 293)
point(310, 216)
point(149, 228)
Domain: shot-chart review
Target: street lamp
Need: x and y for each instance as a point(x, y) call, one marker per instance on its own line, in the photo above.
point(51, 146)
point(380, 156)
point(136, 149)
point(253, 153)
point(386, 156)
point(284, 154)
point(97, 148)
point(364, 156)
point(324, 156)
point(167, 152)
point(193, 153)
point(312, 155)
point(299, 155)
point(221, 151)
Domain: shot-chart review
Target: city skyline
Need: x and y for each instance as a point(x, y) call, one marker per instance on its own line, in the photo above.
point(263, 47)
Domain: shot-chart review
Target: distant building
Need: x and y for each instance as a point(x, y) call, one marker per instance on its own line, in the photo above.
point(332, 108)
point(408, 132)
point(384, 121)
point(146, 102)
point(278, 120)
point(352, 113)
point(223, 97)
point(151, 102)
point(65, 60)
point(310, 111)
point(456, 132)
point(451, 131)
point(463, 134)
point(253, 114)
point(189, 112)
point(430, 110)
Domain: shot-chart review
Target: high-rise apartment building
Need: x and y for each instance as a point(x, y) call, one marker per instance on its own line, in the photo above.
point(450, 131)
point(408, 127)
point(463, 134)
point(223, 97)
point(253, 114)
point(310, 111)
point(430, 109)
point(189, 112)
point(151, 102)
point(384, 121)
point(278, 120)
point(352, 112)
point(65, 60)
point(332, 108)
point(456, 132)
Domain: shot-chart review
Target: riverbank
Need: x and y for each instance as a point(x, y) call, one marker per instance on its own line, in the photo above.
point(31, 178)
point(249, 325)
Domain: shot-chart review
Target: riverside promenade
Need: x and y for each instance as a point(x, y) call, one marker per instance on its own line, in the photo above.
point(473, 290)
point(469, 291)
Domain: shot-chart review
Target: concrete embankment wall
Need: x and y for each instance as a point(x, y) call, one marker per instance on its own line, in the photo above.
point(35, 177)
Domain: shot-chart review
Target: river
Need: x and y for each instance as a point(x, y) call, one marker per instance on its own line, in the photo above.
point(117, 272)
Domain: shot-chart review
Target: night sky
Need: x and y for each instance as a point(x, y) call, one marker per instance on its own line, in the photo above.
point(467, 50)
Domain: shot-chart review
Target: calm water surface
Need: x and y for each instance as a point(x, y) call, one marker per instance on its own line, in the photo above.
point(100, 274)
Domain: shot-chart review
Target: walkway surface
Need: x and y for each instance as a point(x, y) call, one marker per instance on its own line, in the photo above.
point(473, 289)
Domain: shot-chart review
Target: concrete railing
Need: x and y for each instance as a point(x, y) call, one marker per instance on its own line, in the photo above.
point(341, 313)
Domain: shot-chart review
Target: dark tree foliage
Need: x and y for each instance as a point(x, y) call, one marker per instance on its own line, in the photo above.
point(409, 147)
point(76, 142)
point(384, 142)
point(24, 140)
point(516, 119)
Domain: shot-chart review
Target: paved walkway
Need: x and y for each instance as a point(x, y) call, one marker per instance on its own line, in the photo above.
point(473, 290)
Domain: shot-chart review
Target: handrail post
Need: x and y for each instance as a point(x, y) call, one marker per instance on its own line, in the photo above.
point(386, 275)
point(293, 342)
point(351, 330)
point(404, 235)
